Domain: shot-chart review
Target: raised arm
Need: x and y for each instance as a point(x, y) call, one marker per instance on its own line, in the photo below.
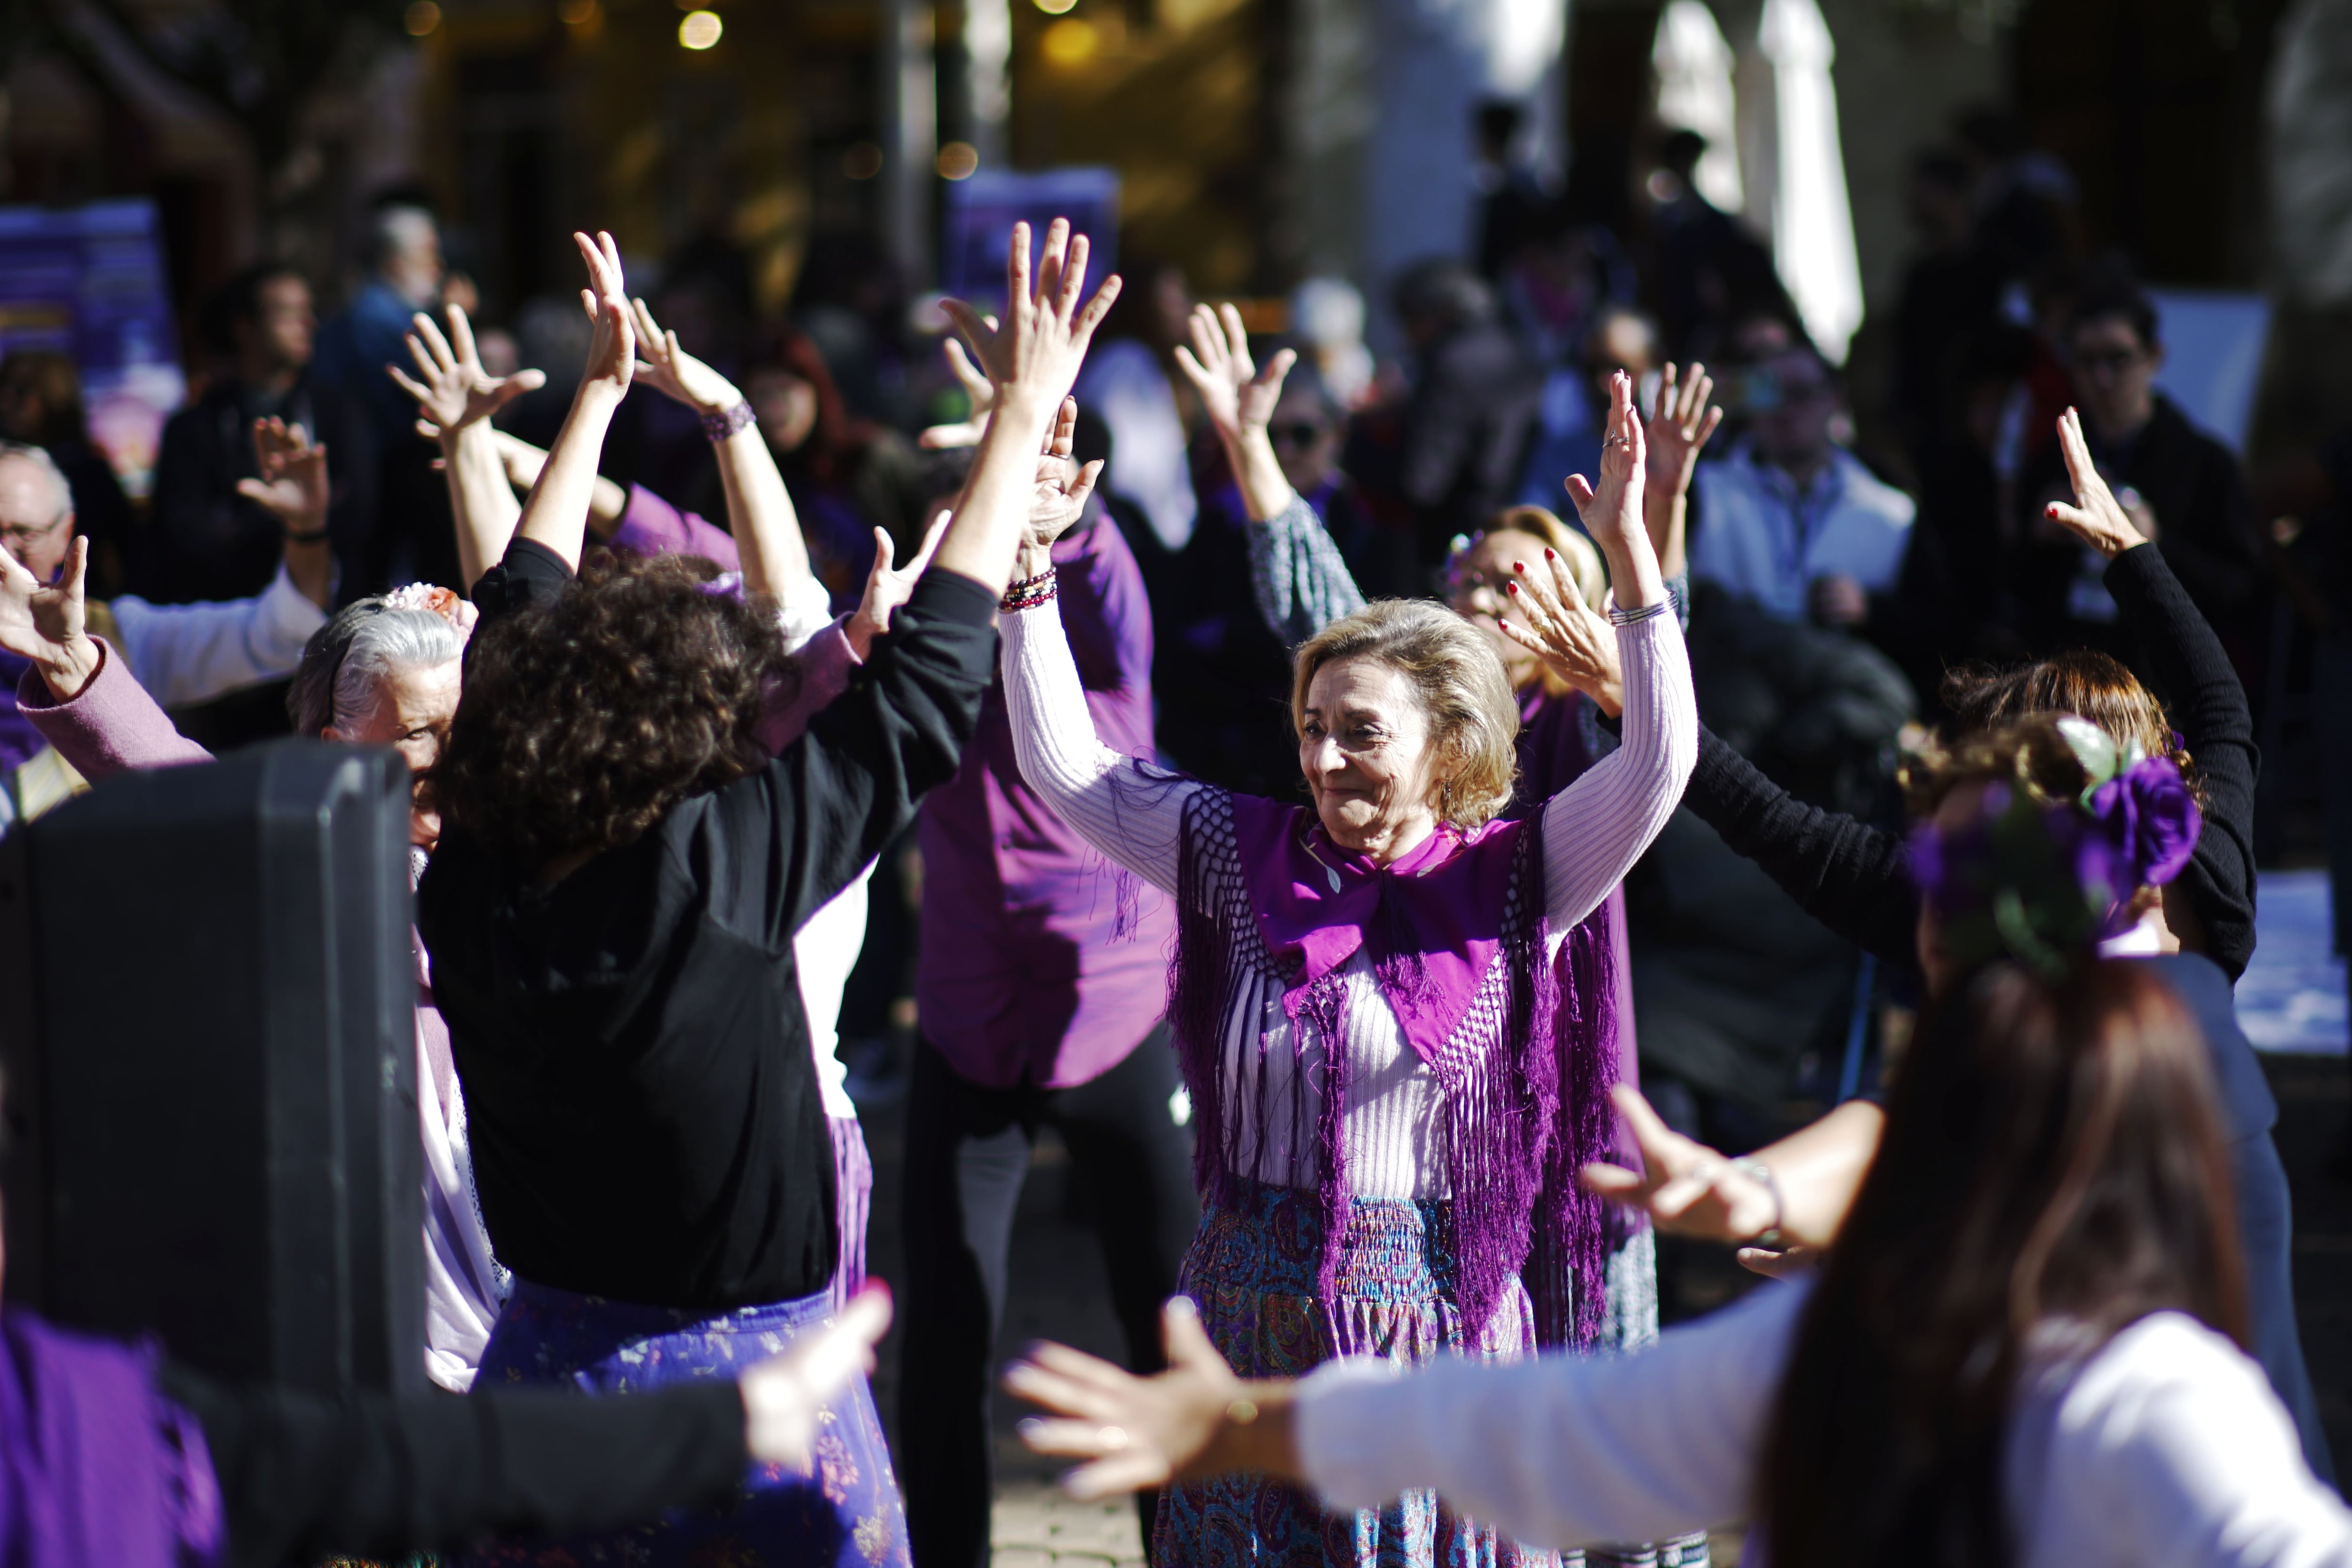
point(555, 518)
point(456, 399)
point(1679, 428)
point(293, 488)
point(759, 510)
point(1598, 826)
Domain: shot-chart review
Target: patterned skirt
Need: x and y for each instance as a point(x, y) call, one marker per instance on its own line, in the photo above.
point(843, 1512)
point(1252, 1271)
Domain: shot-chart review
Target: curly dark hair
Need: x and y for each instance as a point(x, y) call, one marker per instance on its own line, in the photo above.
point(585, 720)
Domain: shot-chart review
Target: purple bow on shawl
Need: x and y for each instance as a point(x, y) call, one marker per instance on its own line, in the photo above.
point(1433, 924)
point(97, 1469)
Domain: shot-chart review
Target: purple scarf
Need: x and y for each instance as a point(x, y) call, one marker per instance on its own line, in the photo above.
point(97, 1469)
point(1524, 1076)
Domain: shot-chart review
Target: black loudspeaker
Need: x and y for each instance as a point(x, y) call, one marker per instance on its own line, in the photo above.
point(207, 990)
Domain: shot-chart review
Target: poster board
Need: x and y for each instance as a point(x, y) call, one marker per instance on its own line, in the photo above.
point(980, 213)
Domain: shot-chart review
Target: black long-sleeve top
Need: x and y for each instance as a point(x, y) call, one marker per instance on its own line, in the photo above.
point(304, 1475)
point(1857, 879)
point(646, 1120)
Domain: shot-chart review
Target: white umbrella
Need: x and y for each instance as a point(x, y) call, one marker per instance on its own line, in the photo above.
point(1794, 170)
point(1694, 67)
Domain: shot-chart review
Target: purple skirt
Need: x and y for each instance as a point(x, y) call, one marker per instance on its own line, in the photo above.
point(1252, 1269)
point(853, 1190)
point(844, 1512)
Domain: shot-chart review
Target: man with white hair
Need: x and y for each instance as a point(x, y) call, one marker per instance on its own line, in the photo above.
point(183, 653)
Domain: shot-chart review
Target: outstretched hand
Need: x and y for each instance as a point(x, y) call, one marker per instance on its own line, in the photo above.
point(1574, 641)
point(46, 621)
point(293, 486)
point(1679, 428)
point(785, 1397)
point(1195, 1419)
point(1685, 1187)
point(1612, 513)
point(978, 391)
point(1235, 394)
point(1059, 497)
point(613, 347)
point(451, 389)
point(1036, 351)
point(889, 587)
point(676, 374)
point(2097, 518)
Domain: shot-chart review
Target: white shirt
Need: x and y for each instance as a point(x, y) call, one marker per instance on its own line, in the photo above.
point(2165, 1447)
point(185, 653)
point(1124, 384)
point(1762, 539)
point(827, 946)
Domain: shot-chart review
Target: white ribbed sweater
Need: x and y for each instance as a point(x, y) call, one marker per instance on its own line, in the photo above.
point(1393, 1130)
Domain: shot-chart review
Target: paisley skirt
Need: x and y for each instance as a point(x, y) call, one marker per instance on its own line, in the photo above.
point(1252, 1271)
point(844, 1513)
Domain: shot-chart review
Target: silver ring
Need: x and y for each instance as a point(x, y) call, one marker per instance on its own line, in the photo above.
point(1616, 441)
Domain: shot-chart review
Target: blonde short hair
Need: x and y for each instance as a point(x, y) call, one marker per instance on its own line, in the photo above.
point(1569, 544)
point(1474, 719)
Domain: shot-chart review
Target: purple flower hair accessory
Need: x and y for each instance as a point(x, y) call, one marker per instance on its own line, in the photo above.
point(2150, 817)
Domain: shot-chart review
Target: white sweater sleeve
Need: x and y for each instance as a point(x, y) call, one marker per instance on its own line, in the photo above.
point(1598, 826)
point(1564, 1450)
point(187, 654)
point(1132, 812)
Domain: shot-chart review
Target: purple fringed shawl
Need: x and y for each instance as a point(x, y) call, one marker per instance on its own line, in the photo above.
point(98, 1469)
point(1524, 1055)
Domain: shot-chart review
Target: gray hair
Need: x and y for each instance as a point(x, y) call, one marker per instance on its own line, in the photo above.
point(347, 662)
point(397, 228)
point(39, 458)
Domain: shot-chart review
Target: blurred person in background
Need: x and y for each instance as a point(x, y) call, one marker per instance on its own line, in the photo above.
point(1711, 272)
point(1789, 517)
point(848, 475)
point(2181, 486)
point(1468, 410)
point(204, 538)
point(1575, 406)
point(40, 406)
point(1512, 200)
point(1950, 289)
point(416, 540)
point(1128, 385)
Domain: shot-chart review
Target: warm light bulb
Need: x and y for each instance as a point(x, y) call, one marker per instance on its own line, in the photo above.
point(701, 29)
point(958, 160)
point(1070, 42)
point(1054, 7)
point(421, 18)
point(577, 13)
point(862, 162)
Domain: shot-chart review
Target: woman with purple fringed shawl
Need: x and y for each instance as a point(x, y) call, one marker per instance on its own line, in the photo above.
point(1391, 1044)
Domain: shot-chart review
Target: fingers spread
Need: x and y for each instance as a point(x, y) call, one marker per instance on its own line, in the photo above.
point(1277, 368)
point(1236, 336)
point(1096, 309)
point(1110, 1477)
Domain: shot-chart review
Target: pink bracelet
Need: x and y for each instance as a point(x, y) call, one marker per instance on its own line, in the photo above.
point(722, 426)
point(1029, 592)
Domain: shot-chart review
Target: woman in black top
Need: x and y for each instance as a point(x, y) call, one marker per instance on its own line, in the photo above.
point(610, 913)
point(1857, 881)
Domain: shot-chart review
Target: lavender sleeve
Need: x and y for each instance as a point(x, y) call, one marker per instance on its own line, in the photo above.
point(112, 726)
point(825, 661)
point(651, 525)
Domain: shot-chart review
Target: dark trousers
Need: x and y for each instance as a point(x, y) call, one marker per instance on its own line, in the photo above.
point(966, 1154)
point(2266, 1242)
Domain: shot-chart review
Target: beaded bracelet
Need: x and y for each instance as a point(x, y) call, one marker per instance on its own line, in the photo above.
point(1029, 592)
point(720, 426)
point(1618, 617)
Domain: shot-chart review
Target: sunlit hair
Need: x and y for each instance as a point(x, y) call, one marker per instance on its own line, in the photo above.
point(347, 662)
point(2094, 686)
point(585, 721)
point(1473, 720)
point(1583, 560)
point(2052, 1171)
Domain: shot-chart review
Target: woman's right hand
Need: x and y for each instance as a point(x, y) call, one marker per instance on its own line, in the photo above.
point(1238, 396)
point(46, 622)
point(1574, 641)
point(613, 347)
point(2097, 518)
point(1612, 512)
point(1035, 353)
point(1685, 1187)
point(454, 391)
point(978, 391)
point(784, 1396)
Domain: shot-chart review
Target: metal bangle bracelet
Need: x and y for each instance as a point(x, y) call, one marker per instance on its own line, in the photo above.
point(1638, 613)
point(1762, 1175)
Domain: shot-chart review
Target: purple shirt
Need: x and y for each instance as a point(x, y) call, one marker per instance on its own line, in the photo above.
point(1028, 970)
point(651, 525)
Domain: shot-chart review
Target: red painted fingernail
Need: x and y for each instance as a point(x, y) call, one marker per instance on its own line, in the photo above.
point(1547, 555)
point(1510, 588)
point(1519, 566)
point(2050, 510)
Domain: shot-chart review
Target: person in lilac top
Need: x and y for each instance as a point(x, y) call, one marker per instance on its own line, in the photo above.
point(1042, 982)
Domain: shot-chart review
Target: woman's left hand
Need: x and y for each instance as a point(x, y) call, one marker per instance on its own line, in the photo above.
point(1059, 497)
point(1685, 1187)
point(784, 1396)
point(1195, 1419)
point(2097, 518)
point(1613, 513)
point(889, 587)
point(1575, 642)
point(44, 621)
point(673, 371)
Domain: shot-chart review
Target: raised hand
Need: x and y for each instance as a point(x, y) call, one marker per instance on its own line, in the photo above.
point(1679, 428)
point(1195, 1419)
point(784, 1396)
point(2097, 518)
point(1235, 394)
point(1059, 497)
point(977, 389)
point(676, 374)
point(1685, 1187)
point(451, 389)
point(1574, 640)
point(613, 347)
point(889, 587)
point(45, 622)
point(293, 486)
point(1612, 513)
point(1036, 351)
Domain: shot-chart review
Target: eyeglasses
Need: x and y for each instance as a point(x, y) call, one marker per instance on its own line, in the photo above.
point(1295, 432)
point(2113, 363)
point(20, 538)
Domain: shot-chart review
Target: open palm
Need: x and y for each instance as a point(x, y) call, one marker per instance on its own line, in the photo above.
point(451, 389)
point(1235, 393)
point(674, 372)
point(293, 486)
